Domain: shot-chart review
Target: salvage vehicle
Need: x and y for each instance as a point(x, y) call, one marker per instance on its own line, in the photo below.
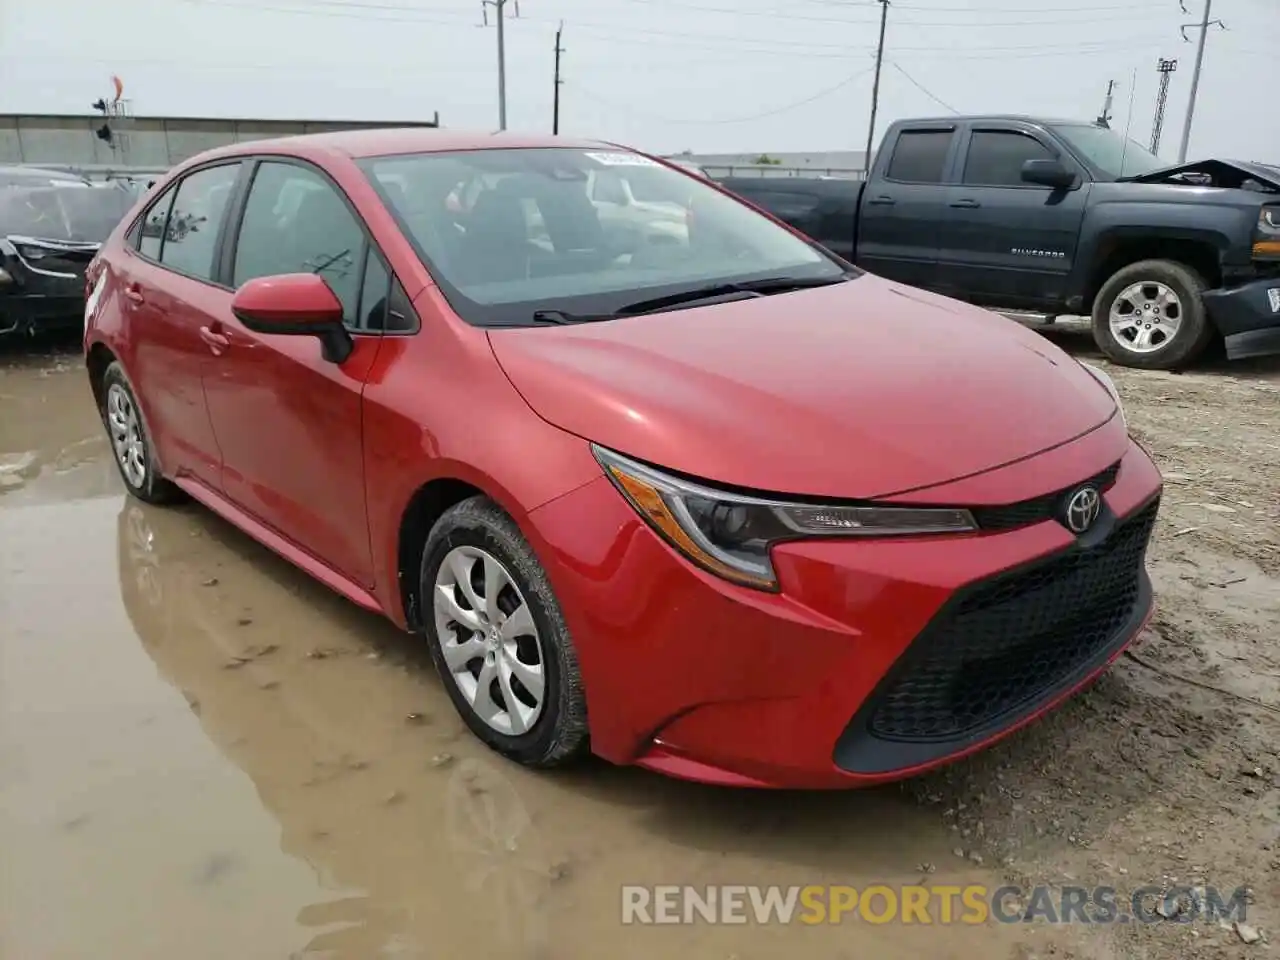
point(29, 177)
point(48, 236)
point(1060, 217)
point(727, 507)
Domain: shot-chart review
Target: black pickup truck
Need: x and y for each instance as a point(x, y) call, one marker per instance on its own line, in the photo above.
point(1059, 217)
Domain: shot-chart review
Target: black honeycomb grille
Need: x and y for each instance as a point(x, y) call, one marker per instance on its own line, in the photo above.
point(1037, 509)
point(1014, 638)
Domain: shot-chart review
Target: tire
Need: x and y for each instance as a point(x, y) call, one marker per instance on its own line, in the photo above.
point(131, 445)
point(1173, 349)
point(465, 540)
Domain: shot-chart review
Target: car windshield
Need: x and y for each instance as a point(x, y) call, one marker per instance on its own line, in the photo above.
point(1108, 151)
point(28, 179)
point(508, 232)
point(59, 214)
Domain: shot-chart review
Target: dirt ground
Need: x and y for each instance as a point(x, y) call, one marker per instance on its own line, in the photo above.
point(203, 754)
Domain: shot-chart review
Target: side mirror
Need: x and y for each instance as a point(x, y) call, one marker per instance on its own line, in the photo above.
point(1048, 173)
point(295, 304)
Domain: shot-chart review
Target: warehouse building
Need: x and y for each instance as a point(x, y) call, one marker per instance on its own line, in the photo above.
point(104, 142)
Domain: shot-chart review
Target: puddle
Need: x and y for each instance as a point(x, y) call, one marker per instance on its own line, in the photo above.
point(204, 754)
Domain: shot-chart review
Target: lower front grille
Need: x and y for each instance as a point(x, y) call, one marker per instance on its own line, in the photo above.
point(1007, 642)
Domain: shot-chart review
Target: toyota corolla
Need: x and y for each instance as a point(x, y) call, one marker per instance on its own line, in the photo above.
point(694, 495)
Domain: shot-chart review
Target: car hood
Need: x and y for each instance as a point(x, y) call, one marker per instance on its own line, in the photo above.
point(1219, 173)
point(858, 390)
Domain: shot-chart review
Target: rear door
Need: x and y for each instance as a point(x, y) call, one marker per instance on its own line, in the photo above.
point(289, 422)
point(1006, 242)
point(167, 284)
point(905, 203)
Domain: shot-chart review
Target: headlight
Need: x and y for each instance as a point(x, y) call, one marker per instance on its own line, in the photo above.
point(1268, 233)
point(731, 534)
point(32, 253)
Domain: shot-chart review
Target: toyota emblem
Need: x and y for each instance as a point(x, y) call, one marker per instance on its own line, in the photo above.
point(1083, 509)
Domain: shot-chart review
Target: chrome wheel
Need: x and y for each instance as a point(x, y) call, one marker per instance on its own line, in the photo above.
point(1145, 316)
point(490, 643)
point(125, 428)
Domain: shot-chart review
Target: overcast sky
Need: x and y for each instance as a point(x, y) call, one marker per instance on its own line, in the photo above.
point(664, 75)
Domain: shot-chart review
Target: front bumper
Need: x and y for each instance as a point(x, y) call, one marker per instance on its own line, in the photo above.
point(1248, 317)
point(839, 680)
point(45, 295)
point(40, 313)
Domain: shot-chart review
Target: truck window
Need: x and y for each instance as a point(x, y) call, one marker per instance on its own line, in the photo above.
point(920, 156)
point(996, 157)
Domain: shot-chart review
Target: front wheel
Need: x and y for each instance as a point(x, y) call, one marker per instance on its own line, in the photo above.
point(498, 639)
point(1150, 315)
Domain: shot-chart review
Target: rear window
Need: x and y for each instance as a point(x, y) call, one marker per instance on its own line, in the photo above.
point(920, 156)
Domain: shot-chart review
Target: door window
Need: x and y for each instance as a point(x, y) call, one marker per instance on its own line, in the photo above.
point(191, 233)
point(153, 222)
point(295, 221)
point(920, 156)
point(996, 157)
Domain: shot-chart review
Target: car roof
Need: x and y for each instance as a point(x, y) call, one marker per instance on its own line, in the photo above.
point(40, 173)
point(389, 141)
point(999, 118)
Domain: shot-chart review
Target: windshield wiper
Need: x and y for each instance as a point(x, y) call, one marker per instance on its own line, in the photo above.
point(756, 288)
point(560, 317)
point(746, 288)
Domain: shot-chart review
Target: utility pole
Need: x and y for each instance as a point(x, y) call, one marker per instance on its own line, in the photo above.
point(500, 9)
point(1203, 26)
point(1104, 118)
point(555, 117)
point(875, 89)
point(1165, 68)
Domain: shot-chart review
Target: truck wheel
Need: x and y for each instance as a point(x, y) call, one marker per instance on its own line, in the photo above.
point(1150, 315)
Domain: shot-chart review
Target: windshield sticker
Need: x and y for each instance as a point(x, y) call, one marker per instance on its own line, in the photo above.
point(621, 159)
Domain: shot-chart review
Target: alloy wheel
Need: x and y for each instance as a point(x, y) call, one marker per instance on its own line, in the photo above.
point(489, 640)
point(1145, 316)
point(125, 428)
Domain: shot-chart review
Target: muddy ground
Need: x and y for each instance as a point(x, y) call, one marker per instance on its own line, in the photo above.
point(205, 755)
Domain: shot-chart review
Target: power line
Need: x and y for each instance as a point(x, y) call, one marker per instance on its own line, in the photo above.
point(612, 29)
point(773, 112)
point(1111, 8)
point(921, 87)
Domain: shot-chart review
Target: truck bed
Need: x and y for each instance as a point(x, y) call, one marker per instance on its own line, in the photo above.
point(825, 210)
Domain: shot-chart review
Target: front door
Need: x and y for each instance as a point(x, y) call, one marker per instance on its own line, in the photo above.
point(1005, 242)
point(162, 287)
point(288, 422)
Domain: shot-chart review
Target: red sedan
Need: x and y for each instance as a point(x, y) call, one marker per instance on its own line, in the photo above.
point(651, 474)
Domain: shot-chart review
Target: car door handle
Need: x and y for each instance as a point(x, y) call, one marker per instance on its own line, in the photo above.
point(133, 293)
point(966, 204)
point(215, 341)
point(882, 201)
